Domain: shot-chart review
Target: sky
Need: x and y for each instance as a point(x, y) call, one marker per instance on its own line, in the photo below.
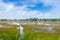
point(22, 9)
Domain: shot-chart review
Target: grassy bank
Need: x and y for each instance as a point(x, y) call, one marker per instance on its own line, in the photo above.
point(29, 33)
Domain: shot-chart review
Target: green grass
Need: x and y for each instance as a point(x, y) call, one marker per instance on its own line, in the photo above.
point(29, 34)
point(9, 34)
point(43, 35)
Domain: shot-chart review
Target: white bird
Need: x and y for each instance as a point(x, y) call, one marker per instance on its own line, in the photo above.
point(19, 27)
point(21, 30)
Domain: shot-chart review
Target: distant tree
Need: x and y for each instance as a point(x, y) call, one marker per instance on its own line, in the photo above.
point(33, 19)
point(3, 19)
point(54, 20)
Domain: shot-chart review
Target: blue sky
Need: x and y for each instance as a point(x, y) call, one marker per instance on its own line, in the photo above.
point(22, 9)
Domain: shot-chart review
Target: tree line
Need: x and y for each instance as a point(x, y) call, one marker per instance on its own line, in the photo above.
point(30, 19)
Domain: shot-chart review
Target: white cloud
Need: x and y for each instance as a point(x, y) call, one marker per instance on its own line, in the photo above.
point(9, 11)
point(9, 7)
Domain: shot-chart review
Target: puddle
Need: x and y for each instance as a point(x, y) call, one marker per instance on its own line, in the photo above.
point(50, 29)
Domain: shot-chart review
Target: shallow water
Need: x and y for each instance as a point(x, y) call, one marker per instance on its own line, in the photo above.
point(50, 29)
point(46, 29)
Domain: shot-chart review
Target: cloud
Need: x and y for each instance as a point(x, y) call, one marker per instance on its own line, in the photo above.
point(41, 7)
point(17, 9)
point(9, 7)
point(38, 5)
